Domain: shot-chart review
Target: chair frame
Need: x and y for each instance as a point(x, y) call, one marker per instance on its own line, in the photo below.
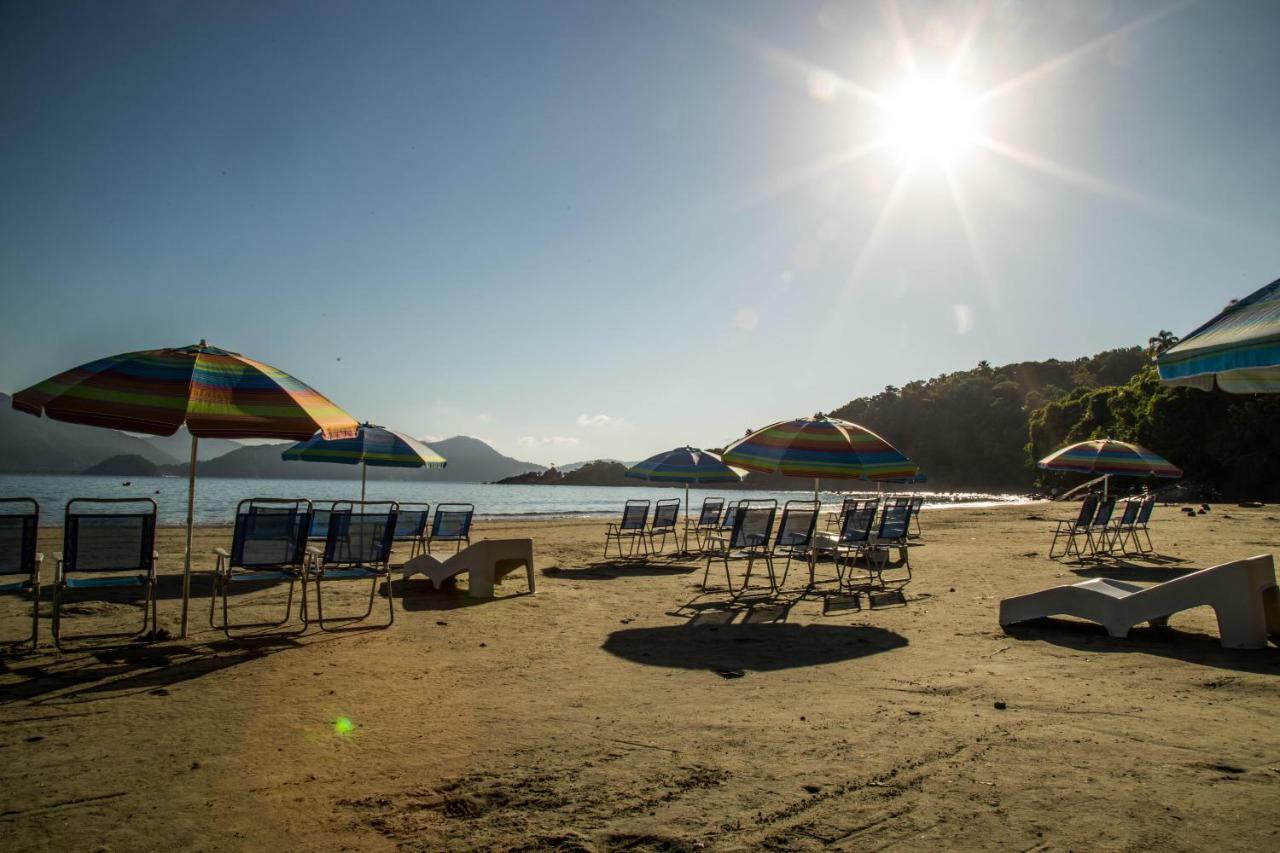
point(31, 561)
point(323, 563)
point(854, 540)
point(658, 527)
point(629, 528)
point(735, 546)
point(805, 544)
point(1122, 527)
point(417, 540)
point(1097, 534)
point(448, 509)
point(1076, 527)
point(225, 576)
point(708, 524)
point(1142, 524)
point(878, 548)
point(147, 559)
point(917, 504)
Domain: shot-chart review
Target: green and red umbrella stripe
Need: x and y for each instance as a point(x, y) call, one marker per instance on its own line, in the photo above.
point(1112, 457)
point(216, 393)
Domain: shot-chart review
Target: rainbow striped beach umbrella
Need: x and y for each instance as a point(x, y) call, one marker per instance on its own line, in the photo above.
point(1110, 458)
point(820, 447)
point(216, 393)
point(371, 445)
point(1239, 348)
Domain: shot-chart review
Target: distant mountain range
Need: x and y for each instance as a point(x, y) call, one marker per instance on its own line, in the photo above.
point(30, 445)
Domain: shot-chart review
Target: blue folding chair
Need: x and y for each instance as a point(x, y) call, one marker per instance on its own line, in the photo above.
point(895, 522)
point(666, 515)
point(451, 523)
point(358, 547)
point(635, 514)
point(854, 540)
point(268, 545)
point(411, 526)
point(795, 534)
point(99, 544)
point(19, 526)
point(748, 540)
point(708, 519)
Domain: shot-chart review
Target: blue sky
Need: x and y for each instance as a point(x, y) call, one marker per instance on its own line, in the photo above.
point(596, 229)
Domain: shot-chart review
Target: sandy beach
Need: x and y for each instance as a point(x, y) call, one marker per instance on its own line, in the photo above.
point(621, 708)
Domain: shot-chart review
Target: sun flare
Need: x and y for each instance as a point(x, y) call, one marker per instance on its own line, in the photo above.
point(931, 120)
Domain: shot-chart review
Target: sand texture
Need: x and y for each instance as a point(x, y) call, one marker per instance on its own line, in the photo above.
point(622, 708)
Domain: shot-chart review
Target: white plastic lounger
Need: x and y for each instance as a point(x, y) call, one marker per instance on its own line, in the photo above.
point(486, 563)
point(1243, 595)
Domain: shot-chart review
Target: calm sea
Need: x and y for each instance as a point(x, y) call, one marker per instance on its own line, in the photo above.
point(216, 498)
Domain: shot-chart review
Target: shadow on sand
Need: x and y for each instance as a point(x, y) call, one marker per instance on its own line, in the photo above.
point(608, 570)
point(749, 646)
point(1203, 649)
point(133, 669)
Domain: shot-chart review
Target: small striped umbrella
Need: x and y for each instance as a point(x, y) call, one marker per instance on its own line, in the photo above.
point(1107, 457)
point(820, 447)
point(687, 466)
point(215, 392)
point(371, 445)
point(1239, 348)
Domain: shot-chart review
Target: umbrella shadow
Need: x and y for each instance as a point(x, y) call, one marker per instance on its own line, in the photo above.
point(735, 648)
point(1166, 642)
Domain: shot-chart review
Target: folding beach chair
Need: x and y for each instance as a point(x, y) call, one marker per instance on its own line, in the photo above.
point(318, 528)
point(835, 521)
point(358, 547)
point(666, 515)
point(1141, 525)
point(1122, 528)
point(708, 519)
point(268, 545)
point(19, 560)
point(795, 533)
point(855, 538)
point(895, 521)
point(748, 540)
point(411, 527)
point(1097, 534)
point(632, 526)
point(1073, 529)
point(100, 541)
point(917, 503)
point(451, 523)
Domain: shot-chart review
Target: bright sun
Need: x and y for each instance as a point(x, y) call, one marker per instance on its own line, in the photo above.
point(931, 120)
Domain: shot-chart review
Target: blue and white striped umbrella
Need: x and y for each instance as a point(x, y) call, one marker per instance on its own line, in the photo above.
point(686, 466)
point(371, 445)
point(1240, 348)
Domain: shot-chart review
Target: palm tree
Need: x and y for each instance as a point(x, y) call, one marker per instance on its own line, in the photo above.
point(1162, 341)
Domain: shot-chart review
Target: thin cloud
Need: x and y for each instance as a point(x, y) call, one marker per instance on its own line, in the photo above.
point(597, 420)
point(557, 440)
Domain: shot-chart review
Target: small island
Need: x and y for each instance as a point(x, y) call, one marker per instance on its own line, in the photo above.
point(124, 465)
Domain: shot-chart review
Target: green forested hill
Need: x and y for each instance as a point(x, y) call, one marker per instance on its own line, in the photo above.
point(969, 429)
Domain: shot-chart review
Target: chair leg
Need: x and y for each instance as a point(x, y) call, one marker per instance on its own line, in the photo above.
point(55, 626)
point(35, 611)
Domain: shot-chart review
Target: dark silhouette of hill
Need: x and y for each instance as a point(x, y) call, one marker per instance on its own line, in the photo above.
point(41, 445)
point(128, 465)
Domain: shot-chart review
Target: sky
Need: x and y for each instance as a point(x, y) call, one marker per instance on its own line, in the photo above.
point(581, 230)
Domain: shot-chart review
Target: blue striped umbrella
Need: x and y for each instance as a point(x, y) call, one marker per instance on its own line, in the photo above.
point(371, 445)
point(687, 466)
point(1240, 348)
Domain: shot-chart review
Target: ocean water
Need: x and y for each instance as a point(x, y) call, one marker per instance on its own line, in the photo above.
point(216, 498)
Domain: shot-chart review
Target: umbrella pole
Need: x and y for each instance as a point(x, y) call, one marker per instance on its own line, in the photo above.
point(364, 470)
point(813, 546)
point(191, 511)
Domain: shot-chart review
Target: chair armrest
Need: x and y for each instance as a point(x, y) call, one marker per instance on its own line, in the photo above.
point(223, 553)
point(39, 558)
